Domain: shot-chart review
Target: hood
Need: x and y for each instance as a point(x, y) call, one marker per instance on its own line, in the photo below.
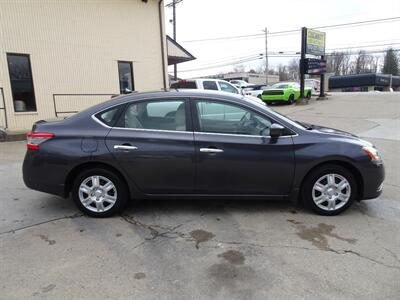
point(336, 133)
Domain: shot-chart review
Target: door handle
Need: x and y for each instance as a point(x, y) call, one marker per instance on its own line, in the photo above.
point(125, 147)
point(211, 150)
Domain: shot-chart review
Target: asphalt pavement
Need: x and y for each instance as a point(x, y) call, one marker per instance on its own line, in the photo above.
point(210, 249)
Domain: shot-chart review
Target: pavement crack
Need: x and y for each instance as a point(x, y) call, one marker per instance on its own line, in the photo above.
point(339, 252)
point(77, 215)
point(156, 231)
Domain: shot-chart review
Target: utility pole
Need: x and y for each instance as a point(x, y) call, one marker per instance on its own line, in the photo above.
point(174, 33)
point(266, 56)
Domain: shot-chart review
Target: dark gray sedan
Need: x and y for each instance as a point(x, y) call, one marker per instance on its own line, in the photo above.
point(197, 144)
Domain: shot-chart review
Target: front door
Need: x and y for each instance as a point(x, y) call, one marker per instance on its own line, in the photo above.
point(154, 146)
point(236, 155)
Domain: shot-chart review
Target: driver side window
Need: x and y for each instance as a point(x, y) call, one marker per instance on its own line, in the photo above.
point(218, 117)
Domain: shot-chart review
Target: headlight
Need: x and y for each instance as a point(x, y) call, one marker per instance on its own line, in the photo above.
point(372, 153)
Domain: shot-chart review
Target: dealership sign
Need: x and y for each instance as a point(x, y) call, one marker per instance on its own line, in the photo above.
point(314, 66)
point(315, 42)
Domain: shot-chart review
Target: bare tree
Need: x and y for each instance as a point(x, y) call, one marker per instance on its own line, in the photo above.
point(283, 73)
point(294, 69)
point(239, 68)
point(346, 64)
point(335, 62)
point(364, 63)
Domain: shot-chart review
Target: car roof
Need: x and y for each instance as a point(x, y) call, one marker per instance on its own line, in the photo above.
point(122, 99)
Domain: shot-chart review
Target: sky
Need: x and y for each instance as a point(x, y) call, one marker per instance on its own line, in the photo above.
point(203, 19)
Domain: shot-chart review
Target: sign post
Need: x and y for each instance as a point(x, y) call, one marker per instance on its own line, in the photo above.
point(312, 43)
point(303, 56)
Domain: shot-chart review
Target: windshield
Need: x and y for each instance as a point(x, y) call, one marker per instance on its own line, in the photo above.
point(280, 86)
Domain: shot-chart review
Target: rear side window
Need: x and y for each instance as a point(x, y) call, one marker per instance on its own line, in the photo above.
point(210, 85)
point(159, 115)
point(109, 117)
point(183, 84)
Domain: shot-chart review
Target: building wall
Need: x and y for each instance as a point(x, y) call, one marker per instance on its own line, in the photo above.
point(74, 46)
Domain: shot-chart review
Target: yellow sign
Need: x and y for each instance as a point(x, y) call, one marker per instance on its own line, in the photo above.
point(315, 42)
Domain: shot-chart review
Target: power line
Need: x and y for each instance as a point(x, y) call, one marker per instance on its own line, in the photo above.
point(282, 53)
point(250, 59)
point(285, 32)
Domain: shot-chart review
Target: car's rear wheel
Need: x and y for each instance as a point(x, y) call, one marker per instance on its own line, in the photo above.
point(99, 192)
point(291, 99)
point(329, 190)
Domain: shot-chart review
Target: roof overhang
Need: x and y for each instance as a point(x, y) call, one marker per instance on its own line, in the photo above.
point(176, 53)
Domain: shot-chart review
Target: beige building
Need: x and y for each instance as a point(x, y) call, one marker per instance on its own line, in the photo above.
point(58, 57)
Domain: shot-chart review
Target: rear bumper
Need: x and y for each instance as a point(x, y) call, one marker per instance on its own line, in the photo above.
point(373, 177)
point(274, 97)
point(41, 176)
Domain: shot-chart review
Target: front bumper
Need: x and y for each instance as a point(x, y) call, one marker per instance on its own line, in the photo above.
point(373, 176)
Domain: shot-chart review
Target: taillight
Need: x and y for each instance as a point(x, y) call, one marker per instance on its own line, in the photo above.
point(35, 139)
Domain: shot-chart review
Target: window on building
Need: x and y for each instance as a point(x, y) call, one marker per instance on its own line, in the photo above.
point(19, 67)
point(125, 71)
point(159, 115)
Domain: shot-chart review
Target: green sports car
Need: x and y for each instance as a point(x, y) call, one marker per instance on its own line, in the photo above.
point(284, 92)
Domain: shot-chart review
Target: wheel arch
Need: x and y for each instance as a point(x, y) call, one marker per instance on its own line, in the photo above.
point(347, 165)
point(83, 166)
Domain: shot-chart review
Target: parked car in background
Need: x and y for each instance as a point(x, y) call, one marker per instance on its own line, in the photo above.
point(210, 84)
point(206, 84)
point(197, 144)
point(313, 84)
point(284, 92)
point(255, 90)
point(239, 83)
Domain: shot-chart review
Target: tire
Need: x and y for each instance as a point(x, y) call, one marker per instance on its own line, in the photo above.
point(333, 199)
point(290, 99)
point(99, 198)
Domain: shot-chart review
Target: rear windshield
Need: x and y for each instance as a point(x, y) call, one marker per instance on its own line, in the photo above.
point(280, 86)
point(184, 85)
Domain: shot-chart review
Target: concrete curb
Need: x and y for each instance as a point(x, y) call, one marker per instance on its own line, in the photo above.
point(12, 137)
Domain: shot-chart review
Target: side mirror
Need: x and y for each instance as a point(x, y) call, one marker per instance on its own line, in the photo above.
point(276, 130)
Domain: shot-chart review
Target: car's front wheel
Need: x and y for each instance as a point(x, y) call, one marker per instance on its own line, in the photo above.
point(99, 192)
point(291, 99)
point(329, 190)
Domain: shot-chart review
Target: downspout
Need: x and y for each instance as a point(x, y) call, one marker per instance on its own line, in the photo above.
point(162, 38)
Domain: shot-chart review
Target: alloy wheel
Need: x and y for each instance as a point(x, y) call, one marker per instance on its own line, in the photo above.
point(331, 192)
point(97, 193)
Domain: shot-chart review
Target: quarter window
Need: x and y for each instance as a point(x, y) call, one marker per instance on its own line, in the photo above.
point(108, 117)
point(125, 72)
point(225, 118)
point(159, 115)
point(19, 67)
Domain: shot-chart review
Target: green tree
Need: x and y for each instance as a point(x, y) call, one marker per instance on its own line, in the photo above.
point(390, 63)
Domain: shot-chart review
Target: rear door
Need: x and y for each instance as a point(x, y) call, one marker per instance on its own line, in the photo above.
point(236, 155)
point(153, 143)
